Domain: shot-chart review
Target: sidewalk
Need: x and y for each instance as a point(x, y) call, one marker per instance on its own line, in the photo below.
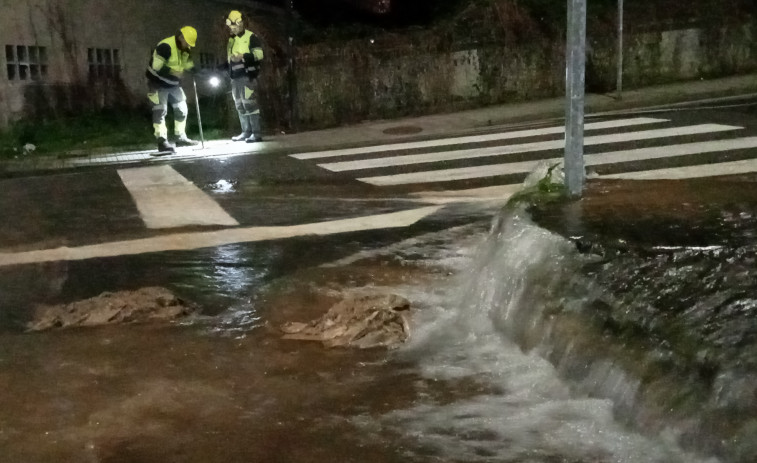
point(423, 127)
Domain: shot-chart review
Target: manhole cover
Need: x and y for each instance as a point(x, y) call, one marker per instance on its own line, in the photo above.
point(403, 130)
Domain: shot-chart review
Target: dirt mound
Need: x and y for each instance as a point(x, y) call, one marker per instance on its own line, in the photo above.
point(359, 320)
point(143, 305)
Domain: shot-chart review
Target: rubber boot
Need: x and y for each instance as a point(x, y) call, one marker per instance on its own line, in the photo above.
point(254, 121)
point(183, 140)
point(241, 137)
point(165, 147)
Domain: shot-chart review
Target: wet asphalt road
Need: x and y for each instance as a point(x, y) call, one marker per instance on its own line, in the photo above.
point(224, 388)
point(91, 205)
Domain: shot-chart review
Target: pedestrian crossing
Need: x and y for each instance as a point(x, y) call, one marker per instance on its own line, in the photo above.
point(612, 145)
point(476, 138)
point(166, 199)
point(696, 171)
point(478, 167)
point(523, 168)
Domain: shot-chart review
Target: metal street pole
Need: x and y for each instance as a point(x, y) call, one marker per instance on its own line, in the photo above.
point(294, 115)
point(199, 118)
point(575, 78)
point(619, 83)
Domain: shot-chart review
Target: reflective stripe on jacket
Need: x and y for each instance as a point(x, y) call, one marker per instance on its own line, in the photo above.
point(249, 46)
point(168, 63)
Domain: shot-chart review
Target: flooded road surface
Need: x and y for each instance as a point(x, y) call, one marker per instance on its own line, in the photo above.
point(225, 388)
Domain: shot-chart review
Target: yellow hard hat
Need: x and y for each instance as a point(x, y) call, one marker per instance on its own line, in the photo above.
point(235, 17)
point(190, 35)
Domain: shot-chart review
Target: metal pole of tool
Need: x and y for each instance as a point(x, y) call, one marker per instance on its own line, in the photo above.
point(575, 78)
point(199, 117)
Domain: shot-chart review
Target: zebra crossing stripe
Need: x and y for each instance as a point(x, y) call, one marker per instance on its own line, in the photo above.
point(704, 170)
point(496, 193)
point(493, 170)
point(166, 199)
point(613, 124)
point(522, 148)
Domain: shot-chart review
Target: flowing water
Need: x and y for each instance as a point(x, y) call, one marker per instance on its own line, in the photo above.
point(225, 388)
point(525, 412)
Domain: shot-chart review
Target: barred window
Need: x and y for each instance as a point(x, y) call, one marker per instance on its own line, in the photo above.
point(104, 63)
point(207, 61)
point(26, 62)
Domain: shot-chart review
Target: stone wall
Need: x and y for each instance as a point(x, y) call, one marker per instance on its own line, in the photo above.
point(361, 80)
point(683, 54)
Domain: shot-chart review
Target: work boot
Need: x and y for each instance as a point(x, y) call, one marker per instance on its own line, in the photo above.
point(183, 140)
point(241, 137)
point(164, 146)
point(254, 138)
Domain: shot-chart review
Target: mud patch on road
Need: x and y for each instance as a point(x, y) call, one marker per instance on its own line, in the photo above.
point(151, 304)
point(361, 319)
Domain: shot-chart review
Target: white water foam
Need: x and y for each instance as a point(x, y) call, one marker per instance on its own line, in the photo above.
point(527, 414)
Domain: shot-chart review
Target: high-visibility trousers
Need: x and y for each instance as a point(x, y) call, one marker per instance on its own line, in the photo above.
point(245, 93)
point(161, 97)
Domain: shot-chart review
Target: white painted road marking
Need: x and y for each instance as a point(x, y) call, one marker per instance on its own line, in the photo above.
point(493, 170)
point(197, 240)
point(705, 170)
point(475, 138)
point(496, 193)
point(165, 199)
point(523, 147)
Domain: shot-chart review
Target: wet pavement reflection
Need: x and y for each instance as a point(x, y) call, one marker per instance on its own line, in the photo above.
point(223, 387)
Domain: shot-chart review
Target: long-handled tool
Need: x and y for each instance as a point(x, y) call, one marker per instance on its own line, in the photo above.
point(199, 117)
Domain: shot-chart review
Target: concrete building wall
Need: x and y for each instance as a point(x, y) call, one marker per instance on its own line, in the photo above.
point(68, 28)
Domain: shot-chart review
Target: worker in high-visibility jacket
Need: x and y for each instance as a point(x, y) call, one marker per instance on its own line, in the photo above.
point(244, 56)
point(168, 62)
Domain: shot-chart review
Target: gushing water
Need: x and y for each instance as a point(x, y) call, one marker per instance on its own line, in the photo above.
point(520, 410)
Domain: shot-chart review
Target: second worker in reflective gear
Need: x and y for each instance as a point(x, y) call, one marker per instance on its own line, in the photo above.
point(168, 62)
point(244, 56)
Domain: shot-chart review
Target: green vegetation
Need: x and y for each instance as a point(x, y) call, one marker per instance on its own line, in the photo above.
point(80, 134)
point(548, 188)
point(97, 131)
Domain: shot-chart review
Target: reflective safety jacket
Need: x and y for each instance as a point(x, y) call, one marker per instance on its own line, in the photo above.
point(168, 63)
point(249, 46)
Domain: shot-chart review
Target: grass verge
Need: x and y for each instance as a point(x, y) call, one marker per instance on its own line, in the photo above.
point(98, 132)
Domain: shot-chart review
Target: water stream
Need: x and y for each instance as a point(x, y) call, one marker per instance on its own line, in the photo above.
point(525, 412)
point(500, 367)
